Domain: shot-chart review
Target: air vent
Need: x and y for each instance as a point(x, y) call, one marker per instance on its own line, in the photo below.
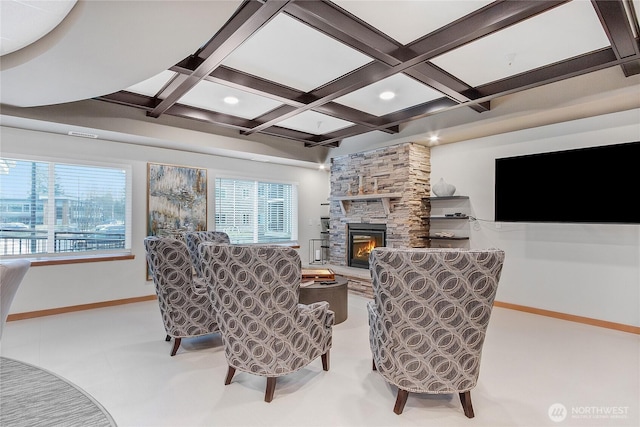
point(83, 134)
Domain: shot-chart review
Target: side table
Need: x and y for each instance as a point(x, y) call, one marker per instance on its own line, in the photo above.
point(335, 294)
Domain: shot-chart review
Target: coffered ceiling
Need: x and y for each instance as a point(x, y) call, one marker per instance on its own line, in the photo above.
point(308, 73)
point(322, 71)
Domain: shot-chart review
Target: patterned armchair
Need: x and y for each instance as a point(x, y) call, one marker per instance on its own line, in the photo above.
point(264, 329)
point(195, 238)
point(429, 317)
point(186, 312)
point(11, 274)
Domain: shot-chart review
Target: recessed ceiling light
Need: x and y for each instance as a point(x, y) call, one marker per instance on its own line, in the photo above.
point(387, 95)
point(232, 100)
point(434, 138)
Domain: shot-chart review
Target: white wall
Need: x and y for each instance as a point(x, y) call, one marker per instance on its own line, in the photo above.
point(586, 270)
point(72, 284)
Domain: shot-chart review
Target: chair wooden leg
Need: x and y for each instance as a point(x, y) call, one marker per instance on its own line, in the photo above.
point(465, 399)
point(176, 344)
point(230, 372)
point(373, 365)
point(271, 387)
point(401, 399)
point(325, 361)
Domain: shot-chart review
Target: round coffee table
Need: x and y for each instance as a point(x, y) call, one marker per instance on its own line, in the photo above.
point(334, 293)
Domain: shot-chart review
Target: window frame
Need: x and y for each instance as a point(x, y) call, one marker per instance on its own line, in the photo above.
point(293, 214)
point(50, 257)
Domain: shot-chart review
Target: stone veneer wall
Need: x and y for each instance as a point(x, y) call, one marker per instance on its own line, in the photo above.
point(403, 168)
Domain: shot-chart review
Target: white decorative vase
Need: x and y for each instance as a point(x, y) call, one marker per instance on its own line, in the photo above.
point(443, 189)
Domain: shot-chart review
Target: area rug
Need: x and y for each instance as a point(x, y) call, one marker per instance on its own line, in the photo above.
point(31, 396)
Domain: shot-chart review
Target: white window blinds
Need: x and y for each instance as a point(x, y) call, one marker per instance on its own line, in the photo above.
point(52, 208)
point(256, 212)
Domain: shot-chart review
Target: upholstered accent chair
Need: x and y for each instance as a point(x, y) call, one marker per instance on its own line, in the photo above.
point(195, 238)
point(11, 274)
point(429, 316)
point(265, 331)
point(186, 310)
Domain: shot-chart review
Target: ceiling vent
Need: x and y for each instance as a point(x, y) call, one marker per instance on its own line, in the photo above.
point(83, 134)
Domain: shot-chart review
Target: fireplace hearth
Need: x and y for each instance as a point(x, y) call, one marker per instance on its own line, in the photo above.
point(362, 238)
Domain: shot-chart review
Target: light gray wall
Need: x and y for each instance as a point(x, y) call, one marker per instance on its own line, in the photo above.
point(72, 284)
point(582, 269)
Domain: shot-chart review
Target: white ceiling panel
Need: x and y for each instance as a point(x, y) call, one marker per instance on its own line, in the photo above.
point(314, 123)
point(408, 92)
point(152, 86)
point(104, 46)
point(541, 40)
point(407, 21)
point(292, 54)
point(23, 22)
point(211, 96)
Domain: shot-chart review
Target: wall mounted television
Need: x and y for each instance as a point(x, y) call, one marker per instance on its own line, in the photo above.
point(599, 185)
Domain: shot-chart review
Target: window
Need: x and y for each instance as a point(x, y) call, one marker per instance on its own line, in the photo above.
point(256, 212)
point(59, 208)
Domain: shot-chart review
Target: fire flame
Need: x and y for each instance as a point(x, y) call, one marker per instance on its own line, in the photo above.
point(364, 250)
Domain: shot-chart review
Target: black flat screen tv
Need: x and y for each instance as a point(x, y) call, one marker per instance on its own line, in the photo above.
point(599, 185)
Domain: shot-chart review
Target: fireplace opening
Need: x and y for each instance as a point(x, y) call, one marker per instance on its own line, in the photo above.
point(362, 238)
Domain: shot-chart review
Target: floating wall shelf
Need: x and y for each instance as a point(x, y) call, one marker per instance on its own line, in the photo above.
point(385, 198)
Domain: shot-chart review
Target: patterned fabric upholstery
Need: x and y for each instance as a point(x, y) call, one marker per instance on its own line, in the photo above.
point(255, 292)
point(429, 316)
point(185, 311)
point(11, 274)
point(195, 238)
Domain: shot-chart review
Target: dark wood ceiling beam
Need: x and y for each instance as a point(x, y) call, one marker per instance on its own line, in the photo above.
point(491, 18)
point(212, 117)
point(336, 137)
point(352, 115)
point(130, 99)
point(258, 86)
point(292, 134)
point(418, 111)
point(288, 96)
point(576, 66)
point(442, 81)
point(613, 16)
point(252, 84)
point(332, 109)
point(274, 114)
point(238, 30)
point(583, 64)
point(332, 20)
point(368, 73)
point(342, 26)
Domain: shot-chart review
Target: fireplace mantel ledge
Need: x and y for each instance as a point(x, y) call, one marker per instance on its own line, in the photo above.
point(384, 197)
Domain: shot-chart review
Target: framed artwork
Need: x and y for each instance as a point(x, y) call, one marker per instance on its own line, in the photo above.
point(176, 200)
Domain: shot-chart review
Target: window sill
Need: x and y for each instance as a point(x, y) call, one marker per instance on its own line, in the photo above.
point(293, 244)
point(44, 261)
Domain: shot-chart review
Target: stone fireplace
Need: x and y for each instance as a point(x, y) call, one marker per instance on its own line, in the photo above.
point(382, 189)
point(361, 239)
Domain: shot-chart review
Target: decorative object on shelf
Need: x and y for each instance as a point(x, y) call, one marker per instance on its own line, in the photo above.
point(443, 189)
point(375, 185)
point(444, 234)
point(360, 185)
